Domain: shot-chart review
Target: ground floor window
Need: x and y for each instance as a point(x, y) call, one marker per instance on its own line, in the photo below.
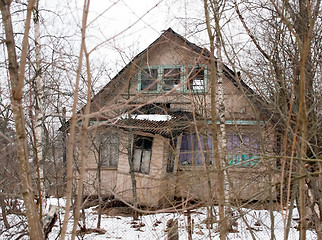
point(194, 150)
point(109, 149)
point(242, 148)
point(172, 154)
point(142, 152)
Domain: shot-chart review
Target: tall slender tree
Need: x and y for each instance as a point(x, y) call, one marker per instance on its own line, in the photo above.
point(17, 77)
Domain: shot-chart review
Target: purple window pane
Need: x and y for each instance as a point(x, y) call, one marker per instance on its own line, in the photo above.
point(193, 152)
point(185, 150)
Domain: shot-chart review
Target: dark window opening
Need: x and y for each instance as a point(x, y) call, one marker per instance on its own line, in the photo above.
point(142, 152)
point(148, 79)
point(171, 78)
point(196, 78)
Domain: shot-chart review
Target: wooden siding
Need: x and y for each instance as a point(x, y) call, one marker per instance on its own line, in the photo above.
point(159, 187)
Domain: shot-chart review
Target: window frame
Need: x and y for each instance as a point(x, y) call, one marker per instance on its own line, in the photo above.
point(108, 139)
point(205, 74)
point(156, 80)
point(194, 151)
point(238, 157)
point(168, 78)
point(139, 167)
point(160, 80)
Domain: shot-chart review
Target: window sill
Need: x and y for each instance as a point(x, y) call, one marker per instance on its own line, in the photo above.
point(109, 167)
point(193, 167)
point(173, 92)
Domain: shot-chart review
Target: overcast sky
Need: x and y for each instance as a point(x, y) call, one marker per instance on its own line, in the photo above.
point(125, 26)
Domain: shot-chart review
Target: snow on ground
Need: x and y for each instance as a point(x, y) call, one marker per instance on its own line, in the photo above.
point(153, 226)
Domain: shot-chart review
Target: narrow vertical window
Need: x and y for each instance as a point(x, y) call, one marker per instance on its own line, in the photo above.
point(172, 154)
point(109, 149)
point(142, 152)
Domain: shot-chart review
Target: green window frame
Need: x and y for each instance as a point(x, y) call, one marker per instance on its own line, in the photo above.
point(196, 79)
point(242, 149)
point(164, 78)
point(148, 79)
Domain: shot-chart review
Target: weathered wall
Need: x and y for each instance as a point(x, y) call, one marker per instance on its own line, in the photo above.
point(148, 185)
point(189, 182)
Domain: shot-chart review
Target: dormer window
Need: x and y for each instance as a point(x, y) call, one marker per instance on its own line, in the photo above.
point(157, 79)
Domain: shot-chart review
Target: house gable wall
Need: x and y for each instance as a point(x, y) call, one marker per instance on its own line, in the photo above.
point(122, 95)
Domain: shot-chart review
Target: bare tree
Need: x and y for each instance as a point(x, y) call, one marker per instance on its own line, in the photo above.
point(17, 73)
point(217, 93)
point(290, 53)
point(71, 139)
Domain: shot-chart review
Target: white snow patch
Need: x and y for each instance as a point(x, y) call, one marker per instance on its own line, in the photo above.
point(153, 226)
point(149, 117)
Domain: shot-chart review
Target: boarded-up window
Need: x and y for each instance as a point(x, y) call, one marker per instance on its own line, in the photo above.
point(242, 148)
point(142, 152)
point(192, 152)
point(109, 149)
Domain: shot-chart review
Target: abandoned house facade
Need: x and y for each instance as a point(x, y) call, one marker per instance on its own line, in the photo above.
point(151, 123)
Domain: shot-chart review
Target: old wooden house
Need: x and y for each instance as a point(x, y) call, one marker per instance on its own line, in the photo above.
point(151, 123)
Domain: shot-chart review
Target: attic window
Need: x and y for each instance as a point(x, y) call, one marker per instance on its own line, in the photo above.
point(196, 79)
point(171, 78)
point(148, 79)
point(158, 79)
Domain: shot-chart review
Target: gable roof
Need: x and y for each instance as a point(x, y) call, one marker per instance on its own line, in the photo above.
point(113, 87)
point(112, 84)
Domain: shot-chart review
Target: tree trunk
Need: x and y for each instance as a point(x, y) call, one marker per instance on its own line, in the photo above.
point(83, 144)
point(4, 212)
point(17, 74)
point(71, 139)
point(132, 173)
point(38, 135)
point(217, 160)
